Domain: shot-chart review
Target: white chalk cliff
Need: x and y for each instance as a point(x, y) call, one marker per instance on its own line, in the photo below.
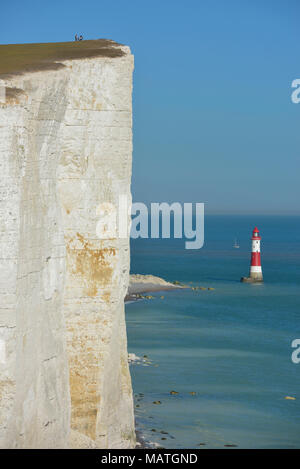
point(65, 150)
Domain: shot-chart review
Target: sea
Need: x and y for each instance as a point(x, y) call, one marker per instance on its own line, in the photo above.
point(216, 365)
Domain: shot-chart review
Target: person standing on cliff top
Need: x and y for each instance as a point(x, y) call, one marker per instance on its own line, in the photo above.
point(76, 37)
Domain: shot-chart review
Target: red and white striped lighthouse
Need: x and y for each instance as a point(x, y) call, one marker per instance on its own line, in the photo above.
point(255, 266)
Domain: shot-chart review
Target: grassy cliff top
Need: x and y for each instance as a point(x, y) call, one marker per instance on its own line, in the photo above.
point(16, 59)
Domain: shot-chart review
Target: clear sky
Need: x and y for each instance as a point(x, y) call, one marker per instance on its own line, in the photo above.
point(213, 117)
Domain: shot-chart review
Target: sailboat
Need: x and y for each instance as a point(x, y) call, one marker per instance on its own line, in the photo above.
point(236, 245)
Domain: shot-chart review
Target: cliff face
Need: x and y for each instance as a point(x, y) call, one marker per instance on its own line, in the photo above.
point(65, 151)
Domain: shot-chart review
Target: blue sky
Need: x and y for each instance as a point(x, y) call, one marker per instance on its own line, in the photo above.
point(213, 118)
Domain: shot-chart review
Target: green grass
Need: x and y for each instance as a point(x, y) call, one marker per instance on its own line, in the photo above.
point(16, 59)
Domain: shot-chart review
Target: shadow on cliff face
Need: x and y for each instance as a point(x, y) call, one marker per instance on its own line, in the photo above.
point(16, 59)
point(12, 95)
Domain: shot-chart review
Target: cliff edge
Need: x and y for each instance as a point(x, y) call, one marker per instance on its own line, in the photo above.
point(65, 150)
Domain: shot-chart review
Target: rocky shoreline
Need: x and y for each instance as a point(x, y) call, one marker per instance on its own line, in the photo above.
point(140, 284)
point(139, 288)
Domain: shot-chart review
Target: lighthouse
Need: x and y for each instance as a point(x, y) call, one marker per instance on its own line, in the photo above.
point(255, 266)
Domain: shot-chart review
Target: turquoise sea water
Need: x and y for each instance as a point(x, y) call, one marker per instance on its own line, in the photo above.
point(231, 346)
